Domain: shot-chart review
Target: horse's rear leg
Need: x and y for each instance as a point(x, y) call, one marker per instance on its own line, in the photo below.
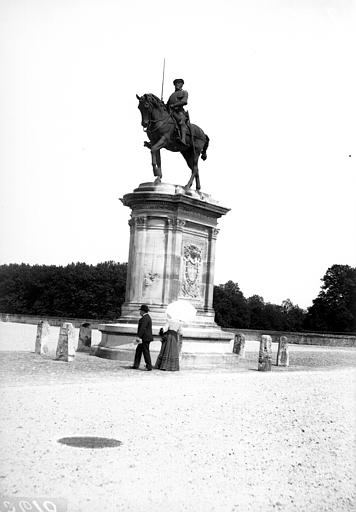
point(197, 179)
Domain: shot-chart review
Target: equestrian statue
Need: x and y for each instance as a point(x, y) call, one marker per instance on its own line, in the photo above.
point(168, 126)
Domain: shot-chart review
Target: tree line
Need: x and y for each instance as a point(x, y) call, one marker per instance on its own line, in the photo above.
point(77, 290)
point(97, 291)
point(333, 310)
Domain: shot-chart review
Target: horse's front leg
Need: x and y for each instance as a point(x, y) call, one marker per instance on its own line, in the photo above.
point(159, 169)
point(195, 173)
point(156, 159)
point(156, 165)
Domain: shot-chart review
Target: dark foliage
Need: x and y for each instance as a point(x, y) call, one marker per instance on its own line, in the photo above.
point(334, 310)
point(335, 307)
point(77, 290)
point(233, 310)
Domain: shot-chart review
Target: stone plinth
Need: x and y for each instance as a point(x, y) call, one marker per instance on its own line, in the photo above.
point(265, 354)
point(42, 337)
point(84, 338)
point(66, 341)
point(173, 236)
point(239, 345)
point(283, 352)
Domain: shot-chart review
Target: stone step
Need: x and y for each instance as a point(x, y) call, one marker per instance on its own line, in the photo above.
point(194, 354)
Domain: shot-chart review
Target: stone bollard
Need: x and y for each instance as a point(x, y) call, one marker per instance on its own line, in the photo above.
point(283, 352)
point(84, 339)
point(265, 354)
point(66, 342)
point(96, 337)
point(239, 345)
point(42, 336)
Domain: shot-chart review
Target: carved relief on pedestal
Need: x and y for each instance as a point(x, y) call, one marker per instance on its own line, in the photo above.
point(192, 263)
point(150, 278)
point(175, 224)
point(141, 221)
point(138, 222)
point(179, 223)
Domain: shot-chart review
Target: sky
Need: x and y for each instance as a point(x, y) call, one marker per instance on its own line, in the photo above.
point(271, 82)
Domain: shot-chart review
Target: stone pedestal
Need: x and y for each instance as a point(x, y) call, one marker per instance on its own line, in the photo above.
point(173, 236)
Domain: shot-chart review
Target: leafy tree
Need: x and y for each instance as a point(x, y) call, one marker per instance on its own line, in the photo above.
point(265, 315)
point(335, 307)
point(256, 307)
point(293, 316)
point(273, 317)
point(230, 306)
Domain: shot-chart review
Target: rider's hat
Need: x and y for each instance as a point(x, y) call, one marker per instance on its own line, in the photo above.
point(178, 80)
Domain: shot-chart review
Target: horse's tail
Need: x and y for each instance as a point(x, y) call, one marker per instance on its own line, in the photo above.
point(203, 153)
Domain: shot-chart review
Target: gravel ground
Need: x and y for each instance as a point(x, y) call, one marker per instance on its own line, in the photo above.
point(194, 441)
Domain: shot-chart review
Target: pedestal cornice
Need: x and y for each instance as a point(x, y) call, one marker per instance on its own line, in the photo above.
point(149, 196)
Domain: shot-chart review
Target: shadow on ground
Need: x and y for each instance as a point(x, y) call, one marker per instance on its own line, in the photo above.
point(90, 442)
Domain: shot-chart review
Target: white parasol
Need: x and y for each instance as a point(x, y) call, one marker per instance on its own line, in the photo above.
point(181, 310)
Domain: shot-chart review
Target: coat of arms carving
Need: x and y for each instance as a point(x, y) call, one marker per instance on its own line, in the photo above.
point(192, 258)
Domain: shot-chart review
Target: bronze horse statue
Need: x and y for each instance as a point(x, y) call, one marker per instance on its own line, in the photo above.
point(161, 129)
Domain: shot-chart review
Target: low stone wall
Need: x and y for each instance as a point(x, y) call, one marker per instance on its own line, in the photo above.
point(301, 338)
point(52, 320)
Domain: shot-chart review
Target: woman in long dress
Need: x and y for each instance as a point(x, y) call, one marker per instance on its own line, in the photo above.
point(168, 358)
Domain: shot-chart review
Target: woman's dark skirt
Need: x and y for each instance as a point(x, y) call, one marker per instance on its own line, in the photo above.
point(168, 358)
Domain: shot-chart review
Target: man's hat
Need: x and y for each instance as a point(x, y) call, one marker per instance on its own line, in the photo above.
point(178, 80)
point(144, 308)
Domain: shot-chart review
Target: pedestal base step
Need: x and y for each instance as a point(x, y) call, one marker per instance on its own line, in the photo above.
point(114, 335)
point(194, 355)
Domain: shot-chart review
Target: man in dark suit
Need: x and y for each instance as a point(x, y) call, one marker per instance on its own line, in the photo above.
point(144, 338)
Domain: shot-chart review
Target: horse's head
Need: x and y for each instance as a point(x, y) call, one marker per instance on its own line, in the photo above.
point(151, 108)
point(144, 107)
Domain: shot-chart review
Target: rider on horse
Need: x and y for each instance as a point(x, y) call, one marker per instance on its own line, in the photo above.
point(175, 105)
